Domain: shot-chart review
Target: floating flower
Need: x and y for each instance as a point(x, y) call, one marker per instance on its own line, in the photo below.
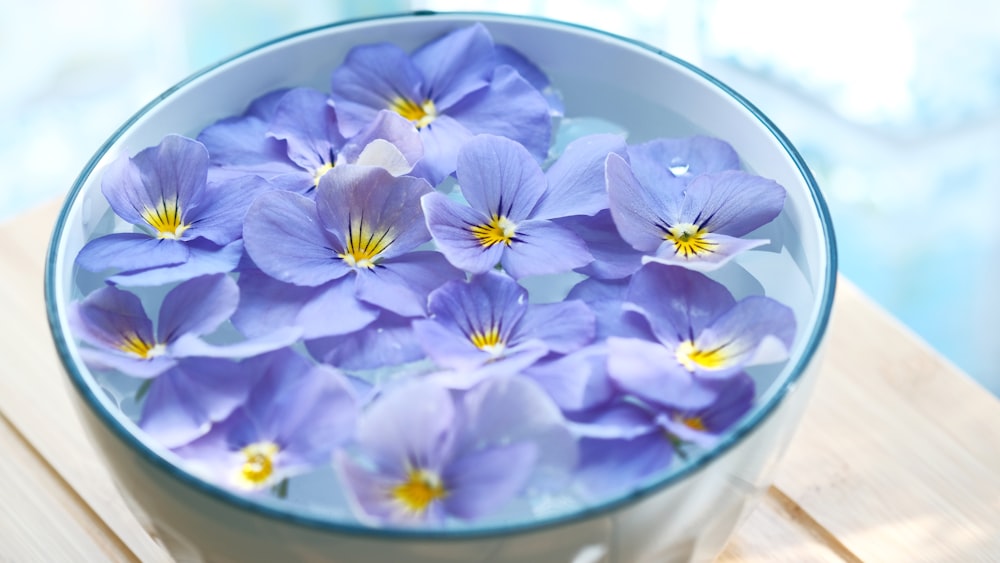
point(700, 328)
point(696, 223)
point(388, 341)
point(659, 161)
point(488, 320)
point(121, 335)
point(451, 89)
point(188, 226)
point(293, 139)
point(511, 202)
point(427, 456)
point(294, 417)
point(362, 229)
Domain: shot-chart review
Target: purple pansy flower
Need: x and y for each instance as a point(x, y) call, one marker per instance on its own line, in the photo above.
point(294, 417)
point(451, 89)
point(388, 341)
point(355, 243)
point(122, 337)
point(694, 223)
point(487, 325)
point(429, 456)
point(293, 140)
point(700, 329)
point(188, 226)
point(511, 204)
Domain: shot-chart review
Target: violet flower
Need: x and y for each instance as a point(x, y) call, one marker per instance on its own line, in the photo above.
point(292, 139)
point(511, 204)
point(487, 325)
point(699, 328)
point(121, 336)
point(294, 417)
point(355, 242)
point(426, 456)
point(187, 226)
point(451, 89)
point(696, 223)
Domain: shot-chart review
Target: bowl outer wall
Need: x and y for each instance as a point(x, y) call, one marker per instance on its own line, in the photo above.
point(709, 104)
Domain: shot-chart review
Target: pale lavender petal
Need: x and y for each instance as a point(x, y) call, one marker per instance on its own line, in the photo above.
point(448, 347)
point(564, 326)
point(184, 401)
point(174, 170)
point(371, 79)
point(641, 214)
point(575, 382)
point(576, 184)
point(368, 493)
point(620, 419)
point(205, 258)
point(613, 466)
point(677, 303)
point(121, 185)
point(401, 284)
point(388, 341)
point(286, 240)
point(487, 301)
point(241, 143)
point(655, 162)
point(197, 306)
point(389, 139)
point(450, 222)
point(613, 257)
point(510, 107)
point(326, 310)
point(542, 247)
point(606, 299)
point(704, 426)
point(455, 65)
point(442, 139)
point(107, 315)
point(130, 251)
point(305, 120)
point(314, 415)
point(220, 217)
point(652, 372)
point(722, 249)
point(507, 55)
point(190, 345)
point(129, 364)
point(410, 423)
point(756, 330)
point(370, 205)
point(732, 203)
point(483, 481)
point(499, 177)
point(514, 409)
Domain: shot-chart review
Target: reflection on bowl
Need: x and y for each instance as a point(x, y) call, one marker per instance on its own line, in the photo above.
point(687, 514)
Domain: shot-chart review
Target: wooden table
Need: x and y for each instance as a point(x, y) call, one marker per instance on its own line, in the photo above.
point(898, 458)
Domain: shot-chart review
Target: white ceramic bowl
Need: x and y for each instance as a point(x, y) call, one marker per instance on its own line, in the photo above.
point(686, 515)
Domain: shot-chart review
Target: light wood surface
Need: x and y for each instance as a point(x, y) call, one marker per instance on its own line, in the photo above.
point(897, 459)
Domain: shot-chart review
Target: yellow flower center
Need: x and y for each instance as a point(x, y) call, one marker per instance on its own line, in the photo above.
point(691, 357)
point(689, 240)
point(498, 230)
point(132, 343)
point(420, 114)
point(365, 246)
point(419, 490)
point(693, 422)
point(321, 171)
point(258, 466)
point(488, 341)
point(166, 219)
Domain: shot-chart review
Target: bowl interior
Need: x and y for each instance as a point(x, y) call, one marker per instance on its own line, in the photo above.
point(645, 92)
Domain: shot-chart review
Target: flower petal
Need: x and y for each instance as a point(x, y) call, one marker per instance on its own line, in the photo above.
point(197, 306)
point(611, 467)
point(576, 184)
point(483, 481)
point(575, 382)
point(286, 240)
point(641, 213)
point(735, 203)
point(388, 341)
point(450, 224)
point(401, 284)
point(613, 257)
point(722, 249)
point(455, 64)
point(655, 162)
point(204, 258)
point(391, 142)
point(564, 326)
point(370, 80)
point(305, 120)
point(651, 372)
point(499, 177)
point(756, 330)
point(122, 251)
point(543, 247)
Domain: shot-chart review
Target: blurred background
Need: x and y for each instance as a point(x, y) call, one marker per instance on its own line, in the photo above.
point(895, 105)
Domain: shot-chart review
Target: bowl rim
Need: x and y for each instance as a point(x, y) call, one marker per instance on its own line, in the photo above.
point(290, 515)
